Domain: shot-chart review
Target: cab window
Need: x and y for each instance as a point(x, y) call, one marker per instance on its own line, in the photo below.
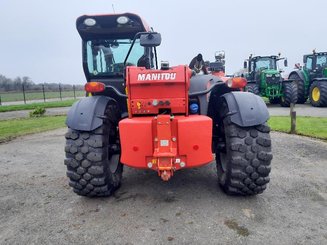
point(308, 63)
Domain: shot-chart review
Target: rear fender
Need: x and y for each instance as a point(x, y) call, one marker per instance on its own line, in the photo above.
point(287, 81)
point(88, 113)
point(246, 109)
point(201, 83)
point(300, 74)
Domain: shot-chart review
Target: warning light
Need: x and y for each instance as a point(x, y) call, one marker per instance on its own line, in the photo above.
point(94, 87)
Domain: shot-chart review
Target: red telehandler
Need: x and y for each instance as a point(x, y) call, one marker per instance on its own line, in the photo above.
point(162, 119)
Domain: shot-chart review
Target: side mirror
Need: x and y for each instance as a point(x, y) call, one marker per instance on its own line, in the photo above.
point(285, 63)
point(150, 40)
point(245, 65)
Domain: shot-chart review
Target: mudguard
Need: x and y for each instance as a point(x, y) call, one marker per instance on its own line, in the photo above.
point(246, 109)
point(201, 83)
point(299, 73)
point(287, 81)
point(87, 114)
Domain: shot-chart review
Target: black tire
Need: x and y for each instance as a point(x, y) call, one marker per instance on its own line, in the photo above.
point(321, 100)
point(275, 100)
point(253, 88)
point(290, 94)
point(301, 96)
point(243, 164)
point(93, 168)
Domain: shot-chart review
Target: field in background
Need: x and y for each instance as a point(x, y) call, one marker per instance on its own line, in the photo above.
point(32, 106)
point(10, 129)
point(315, 127)
point(38, 95)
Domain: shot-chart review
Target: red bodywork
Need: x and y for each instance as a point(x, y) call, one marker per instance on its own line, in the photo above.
point(164, 142)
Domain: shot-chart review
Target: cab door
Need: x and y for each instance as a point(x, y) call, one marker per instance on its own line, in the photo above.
point(309, 67)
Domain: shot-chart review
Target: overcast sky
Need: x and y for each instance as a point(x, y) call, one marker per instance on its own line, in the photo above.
point(38, 38)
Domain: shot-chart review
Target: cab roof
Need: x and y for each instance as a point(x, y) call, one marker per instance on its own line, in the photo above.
point(106, 26)
point(267, 56)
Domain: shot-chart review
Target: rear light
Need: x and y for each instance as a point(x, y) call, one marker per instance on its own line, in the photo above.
point(236, 82)
point(94, 87)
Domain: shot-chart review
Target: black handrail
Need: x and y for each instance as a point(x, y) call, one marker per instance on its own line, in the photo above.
point(117, 91)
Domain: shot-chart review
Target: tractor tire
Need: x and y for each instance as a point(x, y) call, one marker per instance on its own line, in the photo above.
point(301, 96)
point(93, 170)
point(318, 94)
point(243, 164)
point(290, 94)
point(253, 88)
point(274, 100)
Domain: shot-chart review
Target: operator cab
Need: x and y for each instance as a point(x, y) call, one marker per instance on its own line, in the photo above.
point(257, 64)
point(315, 63)
point(260, 63)
point(109, 44)
point(107, 40)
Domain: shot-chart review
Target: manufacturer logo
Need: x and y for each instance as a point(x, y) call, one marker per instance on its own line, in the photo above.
point(156, 76)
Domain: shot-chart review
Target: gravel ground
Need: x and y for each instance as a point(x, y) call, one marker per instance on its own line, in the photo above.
point(38, 207)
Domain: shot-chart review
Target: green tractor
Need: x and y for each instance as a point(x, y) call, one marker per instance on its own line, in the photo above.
point(312, 79)
point(264, 79)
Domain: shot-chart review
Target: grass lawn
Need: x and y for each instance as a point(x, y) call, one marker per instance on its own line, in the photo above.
point(308, 126)
point(10, 129)
point(32, 106)
point(18, 96)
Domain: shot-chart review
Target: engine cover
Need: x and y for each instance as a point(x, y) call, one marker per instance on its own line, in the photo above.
point(151, 91)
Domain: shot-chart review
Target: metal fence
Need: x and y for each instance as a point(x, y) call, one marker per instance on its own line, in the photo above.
point(41, 94)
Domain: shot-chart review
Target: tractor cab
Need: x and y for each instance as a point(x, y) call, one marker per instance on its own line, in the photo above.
point(109, 44)
point(315, 65)
point(107, 41)
point(263, 67)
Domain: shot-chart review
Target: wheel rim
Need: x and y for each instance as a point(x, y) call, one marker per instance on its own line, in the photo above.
point(315, 94)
